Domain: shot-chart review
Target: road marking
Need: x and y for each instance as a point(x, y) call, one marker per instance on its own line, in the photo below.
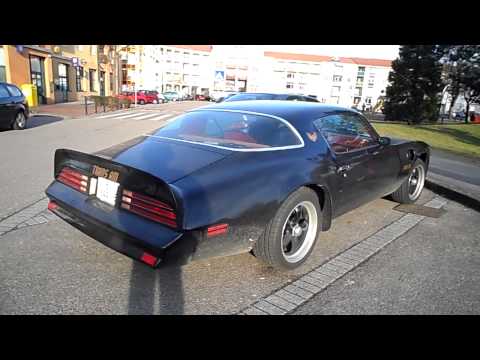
point(161, 117)
point(291, 296)
point(110, 115)
point(146, 116)
point(131, 115)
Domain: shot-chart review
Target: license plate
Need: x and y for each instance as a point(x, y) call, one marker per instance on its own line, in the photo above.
point(107, 190)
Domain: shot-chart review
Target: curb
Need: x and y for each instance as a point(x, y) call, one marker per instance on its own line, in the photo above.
point(452, 194)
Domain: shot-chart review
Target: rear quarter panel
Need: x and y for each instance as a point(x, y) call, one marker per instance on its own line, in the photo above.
point(245, 190)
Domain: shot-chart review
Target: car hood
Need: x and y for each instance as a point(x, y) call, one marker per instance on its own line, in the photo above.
point(168, 160)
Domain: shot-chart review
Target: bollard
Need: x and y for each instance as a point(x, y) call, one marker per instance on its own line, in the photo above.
point(86, 106)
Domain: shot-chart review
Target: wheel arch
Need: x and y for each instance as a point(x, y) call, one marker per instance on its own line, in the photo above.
point(325, 201)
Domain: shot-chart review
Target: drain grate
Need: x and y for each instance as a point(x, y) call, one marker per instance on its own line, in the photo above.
point(420, 210)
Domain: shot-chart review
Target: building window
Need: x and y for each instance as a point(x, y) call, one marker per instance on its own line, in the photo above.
point(337, 78)
point(289, 85)
point(91, 77)
point(361, 70)
point(63, 84)
point(78, 78)
point(368, 100)
point(358, 91)
point(290, 75)
point(3, 75)
point(335, 90)
point(370, 83)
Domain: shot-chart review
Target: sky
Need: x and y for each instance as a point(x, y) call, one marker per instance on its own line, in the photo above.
point(387, 52)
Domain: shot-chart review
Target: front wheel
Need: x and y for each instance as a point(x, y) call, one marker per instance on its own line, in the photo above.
point(20, 122)
point(412, 187)
point(290, 236)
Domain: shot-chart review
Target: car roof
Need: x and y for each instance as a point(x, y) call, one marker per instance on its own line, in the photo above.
point(293, 111)
point(271, 93)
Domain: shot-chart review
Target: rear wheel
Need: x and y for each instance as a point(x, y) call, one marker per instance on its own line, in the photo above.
point(20, 121)
point(289, 237)
point(412, 187)
point(142, 102)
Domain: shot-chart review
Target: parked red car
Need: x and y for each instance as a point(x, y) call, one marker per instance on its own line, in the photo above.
point(143, 97)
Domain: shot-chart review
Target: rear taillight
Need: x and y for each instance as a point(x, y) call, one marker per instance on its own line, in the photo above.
point(73, 178)
point(149, 208)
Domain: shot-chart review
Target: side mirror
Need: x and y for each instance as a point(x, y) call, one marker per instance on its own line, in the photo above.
point(384, 141)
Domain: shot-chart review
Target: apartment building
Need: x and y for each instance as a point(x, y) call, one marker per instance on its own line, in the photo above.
point(194, 69)
point(186, 69)
point(334, 80)
point(61, 73)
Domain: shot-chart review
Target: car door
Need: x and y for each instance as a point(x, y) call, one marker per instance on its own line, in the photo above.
point(7, 107)
point(384, 161)
point(351, 161)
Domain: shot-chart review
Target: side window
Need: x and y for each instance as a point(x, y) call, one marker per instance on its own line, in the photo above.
point(345, 132)
point(14, 90)
point(294, 98)
point(3, 92)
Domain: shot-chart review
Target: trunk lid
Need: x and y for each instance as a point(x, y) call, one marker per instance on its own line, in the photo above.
point(165, 159)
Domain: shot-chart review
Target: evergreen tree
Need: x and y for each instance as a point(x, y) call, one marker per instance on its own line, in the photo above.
point(415, 84)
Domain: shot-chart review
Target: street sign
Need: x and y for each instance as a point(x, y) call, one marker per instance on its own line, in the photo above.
point(219, 75)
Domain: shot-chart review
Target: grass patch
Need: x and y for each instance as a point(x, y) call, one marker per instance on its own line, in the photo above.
point(462, 139)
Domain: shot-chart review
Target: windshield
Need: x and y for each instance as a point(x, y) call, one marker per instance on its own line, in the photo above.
point(233, 130)
point(245, 97)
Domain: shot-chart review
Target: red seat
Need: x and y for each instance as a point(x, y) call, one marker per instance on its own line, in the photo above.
point(238, 136)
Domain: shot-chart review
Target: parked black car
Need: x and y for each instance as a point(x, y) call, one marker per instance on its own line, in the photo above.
point(267, 176)
point(270, 96)
point(14, 109)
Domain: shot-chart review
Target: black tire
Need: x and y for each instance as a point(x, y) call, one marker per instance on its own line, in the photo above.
point(269, 246)
point(402, 194)
point(20, 121)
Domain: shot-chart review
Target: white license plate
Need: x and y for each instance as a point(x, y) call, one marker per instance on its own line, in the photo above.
point(107, 190)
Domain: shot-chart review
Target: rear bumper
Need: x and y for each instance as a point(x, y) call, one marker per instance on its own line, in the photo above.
point(178, 253)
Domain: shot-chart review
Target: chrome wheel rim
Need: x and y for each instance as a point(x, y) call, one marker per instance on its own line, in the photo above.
point(299, 232)
point(416, 181)
point(20, 120)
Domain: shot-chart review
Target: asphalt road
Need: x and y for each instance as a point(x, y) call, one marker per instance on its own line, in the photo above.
point(26, 157)
point(466, 169)
point(52, 268)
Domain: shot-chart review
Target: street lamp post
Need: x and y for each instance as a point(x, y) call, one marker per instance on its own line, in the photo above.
point(442, 104)
point(136, 77)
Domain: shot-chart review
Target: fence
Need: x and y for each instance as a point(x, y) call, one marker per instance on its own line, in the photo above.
point(109, 103)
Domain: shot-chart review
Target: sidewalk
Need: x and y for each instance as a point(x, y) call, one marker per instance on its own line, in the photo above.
point(431, 269)
point(455, 172)
point(68, 110)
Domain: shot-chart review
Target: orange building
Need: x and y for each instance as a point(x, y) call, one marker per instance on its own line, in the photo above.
point(62, 73)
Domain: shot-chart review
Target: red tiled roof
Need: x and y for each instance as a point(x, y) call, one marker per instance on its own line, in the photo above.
point(372, 62)
point(320, 58)
point(195, 47)
point(300, 57)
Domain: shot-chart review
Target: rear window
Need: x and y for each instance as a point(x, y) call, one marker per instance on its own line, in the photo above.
point(232, 130)
point(245, 97)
